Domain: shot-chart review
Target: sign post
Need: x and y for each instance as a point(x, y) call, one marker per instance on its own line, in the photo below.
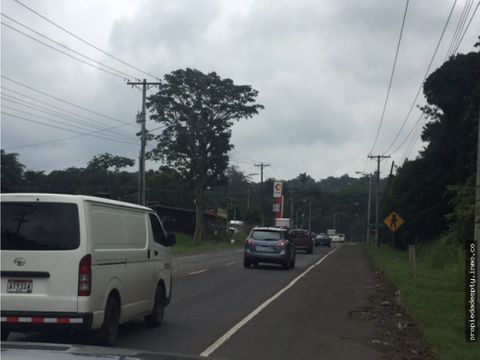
point(393, 222)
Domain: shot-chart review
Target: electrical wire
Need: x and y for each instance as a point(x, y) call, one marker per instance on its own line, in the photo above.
point(466, 28)
point(84, 41)
point(65, 53)
point(391, 78)
point(63, 116)
point(457, 30)
point(61, 111)
point(62, 123)
point(63, 128)
point(421, 83)
point(70, 49)
point(134, 124)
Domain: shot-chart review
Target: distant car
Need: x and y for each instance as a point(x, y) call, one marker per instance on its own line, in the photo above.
point(269, 245)
point(302, 240)
point(322, 240)
point(341, 237)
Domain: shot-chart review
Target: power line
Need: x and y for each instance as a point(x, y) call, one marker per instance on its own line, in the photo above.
point(65, 53)
point(69, 103)
point(409, 133)
point(62, 116)
point(391, 78)
point(466, 28)
point(423, 80)
point(84, 41)
point(67, 48)
point(62, 111)
point(63, 128)
point(457, 31)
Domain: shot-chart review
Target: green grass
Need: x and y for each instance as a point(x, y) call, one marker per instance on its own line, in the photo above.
point(435, 298)
point(185, 244)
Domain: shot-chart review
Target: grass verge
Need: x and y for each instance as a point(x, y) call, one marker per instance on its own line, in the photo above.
point(436, 297)
point(185, 244)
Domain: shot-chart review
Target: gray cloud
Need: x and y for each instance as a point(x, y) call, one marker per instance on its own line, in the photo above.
point(321, 68)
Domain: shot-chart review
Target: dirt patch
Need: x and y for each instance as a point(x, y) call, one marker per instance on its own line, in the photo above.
point(397, 335)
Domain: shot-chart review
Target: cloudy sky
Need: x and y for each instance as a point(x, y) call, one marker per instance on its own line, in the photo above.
point(321, 67)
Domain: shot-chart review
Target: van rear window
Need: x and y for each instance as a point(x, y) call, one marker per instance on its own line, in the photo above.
point(39, 226)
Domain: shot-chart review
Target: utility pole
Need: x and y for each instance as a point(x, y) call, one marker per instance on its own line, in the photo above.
point(369, 206)
point(377, 205)
point(262, 215)
point(142, 118)
point(309, 216)
point(476, 240)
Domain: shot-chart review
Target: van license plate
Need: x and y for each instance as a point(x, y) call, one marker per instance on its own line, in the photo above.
point(20, 286)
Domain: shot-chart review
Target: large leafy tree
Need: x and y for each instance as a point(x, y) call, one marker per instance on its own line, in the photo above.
point(197, 111)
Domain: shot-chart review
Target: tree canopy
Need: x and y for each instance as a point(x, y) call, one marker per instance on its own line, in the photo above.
point(197, 112)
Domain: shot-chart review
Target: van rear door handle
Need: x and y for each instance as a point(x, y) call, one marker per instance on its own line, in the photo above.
point(156, 253)
point(148, 253)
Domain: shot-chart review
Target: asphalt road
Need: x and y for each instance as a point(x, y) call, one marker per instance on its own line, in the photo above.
point(215, 309)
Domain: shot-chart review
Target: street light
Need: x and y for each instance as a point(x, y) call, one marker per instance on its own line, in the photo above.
point(369, 201)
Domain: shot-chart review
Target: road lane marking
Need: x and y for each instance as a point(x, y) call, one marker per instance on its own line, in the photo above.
point(255, 312)
point(231, 263)
point(197, 272)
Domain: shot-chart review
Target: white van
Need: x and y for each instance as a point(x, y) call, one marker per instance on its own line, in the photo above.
point(83, 263)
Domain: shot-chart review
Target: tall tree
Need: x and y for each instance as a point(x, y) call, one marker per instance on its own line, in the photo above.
point(197, 111)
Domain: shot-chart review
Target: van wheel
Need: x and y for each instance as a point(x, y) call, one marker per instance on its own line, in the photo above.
point(5, 334)
point(156, 317)
point(107, 335)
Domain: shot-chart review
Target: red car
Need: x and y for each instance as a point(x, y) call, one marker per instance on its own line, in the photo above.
point(302, 239)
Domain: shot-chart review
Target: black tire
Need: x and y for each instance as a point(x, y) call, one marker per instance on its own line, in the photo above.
point(246, 263)
point(5, 334)
point(286, 264)
point(156, 316)
point(255, 263)
point(292, 263)
point(107, 335)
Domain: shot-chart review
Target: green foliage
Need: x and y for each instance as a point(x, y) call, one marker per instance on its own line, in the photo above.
point(431, 192)
point(197, 111)
point(436, 297)
point(106, 161)
point(12, 172)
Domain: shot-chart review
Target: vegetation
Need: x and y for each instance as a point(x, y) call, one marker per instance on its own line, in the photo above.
point(185, 244)
point(436, 297)
point(434, 193)
point(197, 111)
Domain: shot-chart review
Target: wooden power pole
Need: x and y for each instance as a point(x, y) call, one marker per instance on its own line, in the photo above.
point(377, 205)
point(142, 119)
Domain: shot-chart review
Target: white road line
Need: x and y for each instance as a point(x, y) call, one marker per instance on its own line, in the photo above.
point(197, 272)
point(255, 312)
point(231, 263)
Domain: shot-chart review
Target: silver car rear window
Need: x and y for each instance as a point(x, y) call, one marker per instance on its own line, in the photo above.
point(267, 235)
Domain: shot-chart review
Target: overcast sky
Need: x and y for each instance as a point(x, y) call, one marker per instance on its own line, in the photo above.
point(321, 68)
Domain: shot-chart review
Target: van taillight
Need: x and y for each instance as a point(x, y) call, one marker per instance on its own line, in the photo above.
point(85, 276)
point(250, 242)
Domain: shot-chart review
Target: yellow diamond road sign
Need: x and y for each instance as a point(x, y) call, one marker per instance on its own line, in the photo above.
point(394, 221)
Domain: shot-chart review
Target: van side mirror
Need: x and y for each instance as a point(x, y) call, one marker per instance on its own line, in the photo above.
point(171, 239)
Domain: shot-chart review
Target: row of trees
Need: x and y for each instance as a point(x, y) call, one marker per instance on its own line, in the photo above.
point(342, 201)
point(436, 191)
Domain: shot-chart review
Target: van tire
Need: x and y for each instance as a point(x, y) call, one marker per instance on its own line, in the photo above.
point(156, 317)
point(107, 335)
